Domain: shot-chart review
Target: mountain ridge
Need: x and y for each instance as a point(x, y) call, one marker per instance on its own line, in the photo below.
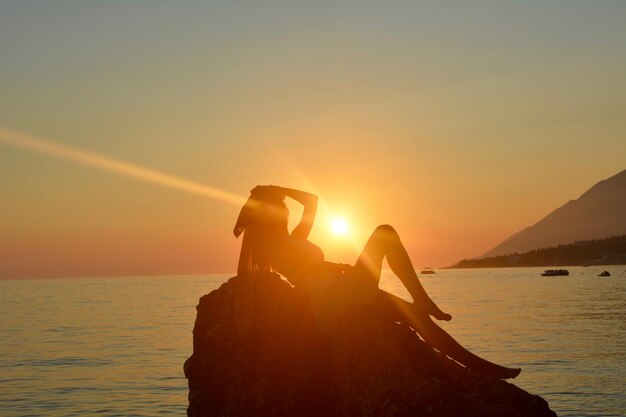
point(597, 213)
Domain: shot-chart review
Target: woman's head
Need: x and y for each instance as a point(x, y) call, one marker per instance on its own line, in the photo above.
point(266, 214)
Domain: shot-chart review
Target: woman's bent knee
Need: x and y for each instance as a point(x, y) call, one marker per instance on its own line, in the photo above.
point(385, 229)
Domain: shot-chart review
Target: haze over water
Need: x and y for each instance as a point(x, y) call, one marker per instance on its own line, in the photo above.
point(116, 346)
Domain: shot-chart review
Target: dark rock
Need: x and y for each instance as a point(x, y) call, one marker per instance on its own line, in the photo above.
point(362, 364)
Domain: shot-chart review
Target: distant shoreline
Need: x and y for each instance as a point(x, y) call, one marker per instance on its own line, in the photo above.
point(607, 251)
point(534, 266)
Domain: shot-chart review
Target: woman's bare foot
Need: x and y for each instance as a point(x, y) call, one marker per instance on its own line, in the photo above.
point(496, 371)
point(440, 315)
point(512, 373)
point(434, 311)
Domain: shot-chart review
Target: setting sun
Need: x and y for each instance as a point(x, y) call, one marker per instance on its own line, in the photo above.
point(339, 226)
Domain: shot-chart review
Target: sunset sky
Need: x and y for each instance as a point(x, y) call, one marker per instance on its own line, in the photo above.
point(458, 123)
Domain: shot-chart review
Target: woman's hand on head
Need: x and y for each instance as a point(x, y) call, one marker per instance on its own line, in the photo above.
point(267, 191)
point(259, 189)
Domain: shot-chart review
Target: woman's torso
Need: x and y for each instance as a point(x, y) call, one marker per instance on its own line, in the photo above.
point(296, 259)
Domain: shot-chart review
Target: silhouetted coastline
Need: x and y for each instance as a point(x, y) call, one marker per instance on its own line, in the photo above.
point(608, 251)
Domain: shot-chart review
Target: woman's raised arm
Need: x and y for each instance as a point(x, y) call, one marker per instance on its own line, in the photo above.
point(309, 201)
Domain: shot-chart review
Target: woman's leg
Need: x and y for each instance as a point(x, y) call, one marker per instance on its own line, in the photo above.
point(441, 340)
point(385, 242)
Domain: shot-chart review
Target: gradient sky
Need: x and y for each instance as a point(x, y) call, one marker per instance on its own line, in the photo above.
point(458, 123)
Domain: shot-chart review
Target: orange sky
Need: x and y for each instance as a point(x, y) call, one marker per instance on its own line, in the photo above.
point(457, 125)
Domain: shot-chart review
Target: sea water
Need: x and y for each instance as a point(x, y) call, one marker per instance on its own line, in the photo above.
point(116, 346)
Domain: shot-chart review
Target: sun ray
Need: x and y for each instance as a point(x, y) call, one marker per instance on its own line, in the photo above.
point(105, 163)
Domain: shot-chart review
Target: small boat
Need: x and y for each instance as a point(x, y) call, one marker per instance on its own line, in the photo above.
point(604, 274)
point(555, 272)
point(427, 271)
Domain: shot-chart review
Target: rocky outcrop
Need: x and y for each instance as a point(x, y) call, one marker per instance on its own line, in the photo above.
point(352, 361)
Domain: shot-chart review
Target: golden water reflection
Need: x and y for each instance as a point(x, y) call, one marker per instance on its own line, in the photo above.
point(115, 346)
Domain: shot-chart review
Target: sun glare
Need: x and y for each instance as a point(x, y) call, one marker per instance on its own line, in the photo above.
point(339, 226)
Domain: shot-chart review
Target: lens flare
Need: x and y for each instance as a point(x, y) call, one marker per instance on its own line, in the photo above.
point(339, 226)
point(104, 163)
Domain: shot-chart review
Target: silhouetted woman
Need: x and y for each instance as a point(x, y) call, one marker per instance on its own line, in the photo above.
point(268, 246)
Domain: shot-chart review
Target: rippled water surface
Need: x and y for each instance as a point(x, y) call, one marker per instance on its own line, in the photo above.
point(115, 346)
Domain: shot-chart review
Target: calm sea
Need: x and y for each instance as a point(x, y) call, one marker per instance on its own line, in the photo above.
point(116, 346)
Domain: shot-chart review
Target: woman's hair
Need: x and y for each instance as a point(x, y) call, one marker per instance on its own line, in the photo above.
point(262, 218)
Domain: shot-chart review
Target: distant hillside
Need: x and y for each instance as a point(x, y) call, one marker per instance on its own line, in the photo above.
point(598, 213)
point(591, 252)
